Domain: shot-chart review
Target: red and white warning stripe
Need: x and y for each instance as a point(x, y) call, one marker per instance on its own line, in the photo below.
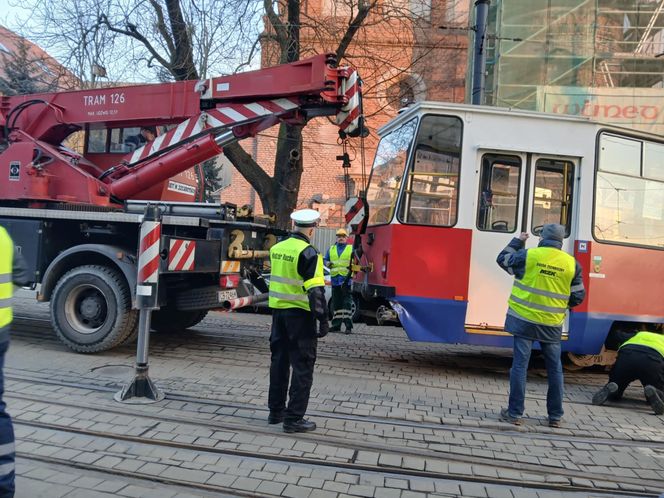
point(181, 255)
point(354, 211)
point(228, 115)
point(348, 118)
point(148, 257)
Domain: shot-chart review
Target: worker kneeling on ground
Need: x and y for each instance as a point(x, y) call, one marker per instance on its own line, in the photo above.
point(547, 281)
point(639, 358)
point(297, 299)
point(339, 258)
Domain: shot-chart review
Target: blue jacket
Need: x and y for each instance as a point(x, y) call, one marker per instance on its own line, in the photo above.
point(512, 259)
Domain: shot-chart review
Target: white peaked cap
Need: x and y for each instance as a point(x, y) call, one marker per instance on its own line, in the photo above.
point(305, 217)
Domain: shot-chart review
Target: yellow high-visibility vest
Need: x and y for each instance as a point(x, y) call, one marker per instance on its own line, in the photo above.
point(648, 339)
point(542, 295)
point(340, 263)
point(287, 288)
point(6, 286)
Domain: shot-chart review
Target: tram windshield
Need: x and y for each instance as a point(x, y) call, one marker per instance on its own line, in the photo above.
point(431, 187)
point(387, 172)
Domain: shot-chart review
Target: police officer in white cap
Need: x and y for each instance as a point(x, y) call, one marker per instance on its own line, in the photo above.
point(297, 299)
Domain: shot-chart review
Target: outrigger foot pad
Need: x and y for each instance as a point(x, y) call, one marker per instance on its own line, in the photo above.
point(140, 390)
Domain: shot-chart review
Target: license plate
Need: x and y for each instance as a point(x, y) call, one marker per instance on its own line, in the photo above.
point(227, 295)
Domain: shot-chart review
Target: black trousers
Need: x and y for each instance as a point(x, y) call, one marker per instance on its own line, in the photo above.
point(637, 363)
point(293, 344)
point(342, 300)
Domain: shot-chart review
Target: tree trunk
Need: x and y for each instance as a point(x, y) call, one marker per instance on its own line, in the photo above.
point(287, 173)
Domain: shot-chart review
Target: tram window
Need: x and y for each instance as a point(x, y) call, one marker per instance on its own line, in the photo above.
point(629, 206)
point(499, 193)
point(552, 202)
point(432, 183)
point(620, 155)
point(387, 172)
point(653, 161)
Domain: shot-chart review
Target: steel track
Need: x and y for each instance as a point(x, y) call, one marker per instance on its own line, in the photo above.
point(524, 433)
point(337, 466)
point(135, 475)
point(357, 446)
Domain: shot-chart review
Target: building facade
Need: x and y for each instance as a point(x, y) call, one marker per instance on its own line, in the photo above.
point(603, 59)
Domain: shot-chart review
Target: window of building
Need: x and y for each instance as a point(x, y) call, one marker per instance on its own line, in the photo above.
point(430, 194)
point(498, 204)
point(629, 201)
point(552, 202)
point(387, 172)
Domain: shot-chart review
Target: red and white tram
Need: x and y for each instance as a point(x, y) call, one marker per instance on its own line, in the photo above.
point(452, 184)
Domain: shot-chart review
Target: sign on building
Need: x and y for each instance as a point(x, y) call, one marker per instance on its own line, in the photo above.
point(639, 108)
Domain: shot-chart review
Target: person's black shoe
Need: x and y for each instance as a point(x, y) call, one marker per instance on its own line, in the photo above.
point(302, 425)
point(655, 399)
point(603, 394)
point(275, 418)
point(349, 331)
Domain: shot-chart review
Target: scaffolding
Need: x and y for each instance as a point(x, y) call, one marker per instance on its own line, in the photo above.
point(596, 47)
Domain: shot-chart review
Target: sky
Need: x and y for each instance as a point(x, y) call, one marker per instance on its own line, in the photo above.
point(130, 63)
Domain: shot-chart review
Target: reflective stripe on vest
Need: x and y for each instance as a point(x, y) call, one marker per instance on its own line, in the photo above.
point(542, 295)
point(287, 288)
point(648, 339)
point(340, 263)
point(6, 286)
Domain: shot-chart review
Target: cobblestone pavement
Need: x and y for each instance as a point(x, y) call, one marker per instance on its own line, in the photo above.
point(394, 418)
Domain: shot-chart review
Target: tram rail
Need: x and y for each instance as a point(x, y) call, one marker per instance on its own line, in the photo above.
point(386, 471)
point(355, 444)
point(523, 432)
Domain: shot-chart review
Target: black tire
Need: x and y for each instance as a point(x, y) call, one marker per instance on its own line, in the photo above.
point(355, 309)
point(169, 320)
point(91, 309)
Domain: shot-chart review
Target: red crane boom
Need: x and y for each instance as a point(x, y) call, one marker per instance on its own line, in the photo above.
point(205, 116)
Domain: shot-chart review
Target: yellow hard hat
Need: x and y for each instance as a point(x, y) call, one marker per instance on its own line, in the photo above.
point(342, 232)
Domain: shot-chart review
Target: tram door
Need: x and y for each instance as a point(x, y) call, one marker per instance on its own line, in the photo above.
point(516, 193)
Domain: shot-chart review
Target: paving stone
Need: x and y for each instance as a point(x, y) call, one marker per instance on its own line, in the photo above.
point(293, 491)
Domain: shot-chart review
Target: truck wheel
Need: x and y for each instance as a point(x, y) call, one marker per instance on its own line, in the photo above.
point(355, 309)
point(91, 309)
point(169, 320)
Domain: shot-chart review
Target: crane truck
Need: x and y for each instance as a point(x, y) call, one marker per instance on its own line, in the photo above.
point(75, 215)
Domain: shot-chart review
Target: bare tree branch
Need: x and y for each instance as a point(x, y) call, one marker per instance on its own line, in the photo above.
point(132, 32)
point(161, 25)
point(363, 11)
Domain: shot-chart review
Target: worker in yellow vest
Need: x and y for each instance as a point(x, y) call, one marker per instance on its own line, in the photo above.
point(339, 258)
point(12, 272)
point(639, 358)
point(547, 281)
point(297, 300)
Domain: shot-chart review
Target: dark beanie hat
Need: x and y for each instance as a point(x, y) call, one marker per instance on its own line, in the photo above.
point(553, 231)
